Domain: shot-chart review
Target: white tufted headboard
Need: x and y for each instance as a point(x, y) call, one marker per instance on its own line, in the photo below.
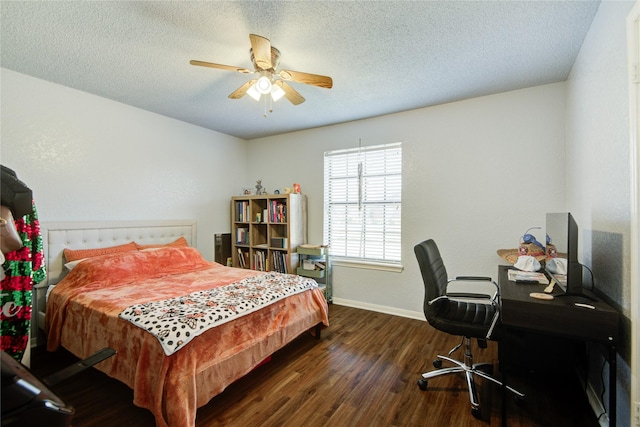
point(83, 235)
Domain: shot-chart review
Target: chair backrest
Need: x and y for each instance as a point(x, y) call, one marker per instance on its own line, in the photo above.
point(434, 273)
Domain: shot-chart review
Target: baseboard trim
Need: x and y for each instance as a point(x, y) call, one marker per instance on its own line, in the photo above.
point(380, 308)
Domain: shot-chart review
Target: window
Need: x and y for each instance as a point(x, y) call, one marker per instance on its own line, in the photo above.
point(363, 201)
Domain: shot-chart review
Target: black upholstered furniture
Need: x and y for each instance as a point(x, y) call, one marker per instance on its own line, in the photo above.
point(466, 314)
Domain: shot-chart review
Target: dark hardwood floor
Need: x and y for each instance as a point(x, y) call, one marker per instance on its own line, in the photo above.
point(362, 372)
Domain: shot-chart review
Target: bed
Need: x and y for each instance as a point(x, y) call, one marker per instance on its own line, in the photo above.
point(103, 300)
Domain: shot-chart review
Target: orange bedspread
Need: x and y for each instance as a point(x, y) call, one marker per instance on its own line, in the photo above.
point(82, 316)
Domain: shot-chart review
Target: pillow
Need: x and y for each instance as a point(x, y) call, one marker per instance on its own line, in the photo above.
point(76, 254)
point(71, 264)
point(180, 242)
point(123, 268)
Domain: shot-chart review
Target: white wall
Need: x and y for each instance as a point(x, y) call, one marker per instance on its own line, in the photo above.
point(90, 158)
point(598, 168)
point(598, 178)
point(476, 175)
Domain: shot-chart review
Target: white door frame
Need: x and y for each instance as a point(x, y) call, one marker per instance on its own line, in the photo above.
point(633, 43)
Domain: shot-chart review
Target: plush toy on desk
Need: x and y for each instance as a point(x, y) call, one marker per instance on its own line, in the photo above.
point(527, 263)
point(529, 246)
point(529, 254)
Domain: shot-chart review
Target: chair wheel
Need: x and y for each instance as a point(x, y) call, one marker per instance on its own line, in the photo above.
point(476, 412)
point(437, 363)
point(422, 383)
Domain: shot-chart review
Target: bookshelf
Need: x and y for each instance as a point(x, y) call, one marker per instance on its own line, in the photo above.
point(266, 231)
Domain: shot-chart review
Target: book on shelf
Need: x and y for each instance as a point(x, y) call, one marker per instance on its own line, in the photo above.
point(278, 242)
point(277, 212)
point(241, 259)
point(242, 236)
point(242, 211)
point(279, 261)
point(260, 261)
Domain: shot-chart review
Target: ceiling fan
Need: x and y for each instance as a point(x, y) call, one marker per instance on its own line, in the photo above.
point(265, 59)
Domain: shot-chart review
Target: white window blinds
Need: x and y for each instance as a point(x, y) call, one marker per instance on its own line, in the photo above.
point(363, 201)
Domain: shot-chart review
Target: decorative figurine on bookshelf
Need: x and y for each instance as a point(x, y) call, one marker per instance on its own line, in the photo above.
point(292, 190)
point(259, 188)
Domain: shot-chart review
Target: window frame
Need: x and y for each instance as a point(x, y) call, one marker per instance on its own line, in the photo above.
point(394, 187)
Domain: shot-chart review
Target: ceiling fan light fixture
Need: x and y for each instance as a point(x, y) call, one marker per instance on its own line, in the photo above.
point(276, 92)
point(265, 59)
point(253, 92)
point(263, 85)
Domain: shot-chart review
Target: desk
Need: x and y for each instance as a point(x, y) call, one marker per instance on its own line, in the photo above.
point(560, 317)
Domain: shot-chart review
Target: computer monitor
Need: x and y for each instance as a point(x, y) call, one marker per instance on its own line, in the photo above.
point(562, 252)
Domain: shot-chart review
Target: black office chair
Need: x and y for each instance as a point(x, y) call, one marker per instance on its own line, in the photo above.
point(469, 315)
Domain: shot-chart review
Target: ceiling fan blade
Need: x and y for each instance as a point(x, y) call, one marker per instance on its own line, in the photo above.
point(306, 78)
point(220, 66)
point(261, 51)
point(290, 93)
point(242, 90)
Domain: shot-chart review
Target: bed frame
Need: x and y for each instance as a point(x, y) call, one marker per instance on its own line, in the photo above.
point(57, 236)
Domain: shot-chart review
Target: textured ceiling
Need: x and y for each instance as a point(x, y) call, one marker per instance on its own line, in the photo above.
point(384, 57)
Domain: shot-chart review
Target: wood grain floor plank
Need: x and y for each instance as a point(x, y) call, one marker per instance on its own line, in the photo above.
point(362, 372)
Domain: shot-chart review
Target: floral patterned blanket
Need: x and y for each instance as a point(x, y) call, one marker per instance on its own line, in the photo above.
point(176, 321)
